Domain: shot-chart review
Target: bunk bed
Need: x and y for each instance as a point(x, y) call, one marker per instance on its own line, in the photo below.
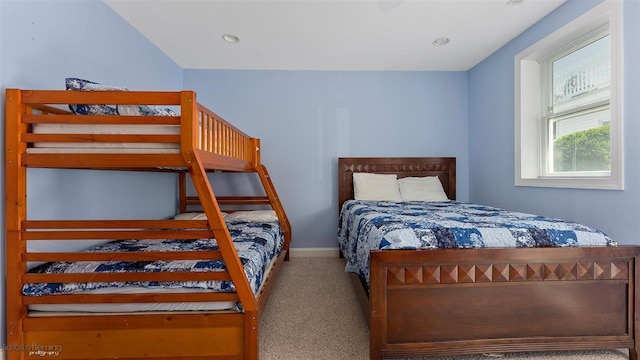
point(53, 129)
point(459, 299)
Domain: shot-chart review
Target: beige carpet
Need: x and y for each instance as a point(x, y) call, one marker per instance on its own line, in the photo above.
point(313, 313)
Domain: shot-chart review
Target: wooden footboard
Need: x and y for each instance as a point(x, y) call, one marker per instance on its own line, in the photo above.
point(446, 302)
point(157, 336)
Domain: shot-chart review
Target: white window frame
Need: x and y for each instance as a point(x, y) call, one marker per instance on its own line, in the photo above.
point(531, 130)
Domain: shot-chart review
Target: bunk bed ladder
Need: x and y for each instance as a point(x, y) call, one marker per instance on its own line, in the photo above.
point(228, 251)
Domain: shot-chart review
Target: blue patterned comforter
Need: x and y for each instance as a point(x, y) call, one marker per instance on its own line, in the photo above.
point(256, 243)
point(368, 225)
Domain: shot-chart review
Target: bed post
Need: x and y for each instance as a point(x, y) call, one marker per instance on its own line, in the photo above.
point(377, 315)
point(15, 213)
point(633, 352)
point(182, 192)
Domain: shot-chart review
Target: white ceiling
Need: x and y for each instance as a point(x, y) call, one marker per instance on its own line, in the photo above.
point(331, 35)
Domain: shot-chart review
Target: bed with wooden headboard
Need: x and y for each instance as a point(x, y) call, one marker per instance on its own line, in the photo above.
point(492, 300)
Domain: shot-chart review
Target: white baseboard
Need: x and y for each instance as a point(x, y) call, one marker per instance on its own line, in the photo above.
point(313, 252)
point(2, 357)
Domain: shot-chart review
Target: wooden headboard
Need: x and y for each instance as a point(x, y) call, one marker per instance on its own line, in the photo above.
point(443, 167)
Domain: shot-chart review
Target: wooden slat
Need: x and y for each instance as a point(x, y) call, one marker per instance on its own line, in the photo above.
point(214, 161)
point(114, 224)
point(139, 320)
point(116, 235)
point(220, 120)
point(124, 277)
point(101, 138)
point(97, 161)
point(47, 109)
point(159, 342)
point(243, 198)
point(122, 256)
point(101, 119)
point(129, 298)
point(100, 97)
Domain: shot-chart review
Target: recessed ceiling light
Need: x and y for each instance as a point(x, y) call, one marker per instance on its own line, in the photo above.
point(232, 39)
point(440, 41)
point(514, 2)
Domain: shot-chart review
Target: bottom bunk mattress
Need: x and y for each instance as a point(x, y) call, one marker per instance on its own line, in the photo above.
point(258, 245)
point(381, 225)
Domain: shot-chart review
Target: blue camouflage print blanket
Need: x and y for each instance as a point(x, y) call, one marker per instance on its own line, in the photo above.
point(368, 225)
point(256, 244)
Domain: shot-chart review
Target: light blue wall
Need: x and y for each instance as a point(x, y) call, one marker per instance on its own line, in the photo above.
point(51, 40)
point(41, 43)
point(491, 136)
point(307, 119)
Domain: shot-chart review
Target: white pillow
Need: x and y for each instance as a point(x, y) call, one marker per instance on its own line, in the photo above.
point(194, 216)
point(422, 189)
point(252, 216)
point(377, 187)
point(128, 110)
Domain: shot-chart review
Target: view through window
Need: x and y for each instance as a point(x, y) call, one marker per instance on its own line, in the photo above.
point(578, 116)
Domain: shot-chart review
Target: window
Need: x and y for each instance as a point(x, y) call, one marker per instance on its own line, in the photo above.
point(568, 118)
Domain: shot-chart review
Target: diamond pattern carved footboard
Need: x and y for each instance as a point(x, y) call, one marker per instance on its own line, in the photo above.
point(478, 273)
point(464, 301)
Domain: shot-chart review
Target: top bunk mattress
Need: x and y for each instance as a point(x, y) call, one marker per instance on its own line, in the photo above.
point(102, 147)
point(381, 225)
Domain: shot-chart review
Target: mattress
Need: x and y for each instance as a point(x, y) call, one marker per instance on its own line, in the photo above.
point(133, 129)
point(379, 225)
point(257, 244)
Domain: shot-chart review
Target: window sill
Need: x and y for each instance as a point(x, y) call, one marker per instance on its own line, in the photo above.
point(600, 183)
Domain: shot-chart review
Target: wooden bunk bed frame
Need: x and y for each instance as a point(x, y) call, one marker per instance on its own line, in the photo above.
point(466, 301)
point(206, 143)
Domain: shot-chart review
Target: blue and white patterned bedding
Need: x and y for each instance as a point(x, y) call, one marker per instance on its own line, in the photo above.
point(256, 243)
point(368, 225)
